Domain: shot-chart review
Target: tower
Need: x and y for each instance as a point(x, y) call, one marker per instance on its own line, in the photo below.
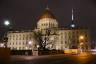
point(72, 25)
point(47, 20)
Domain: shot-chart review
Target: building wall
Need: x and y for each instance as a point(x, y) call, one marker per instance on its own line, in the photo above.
point(71, 38)
point(59, 39)
point(47, 23)
point(19, 40)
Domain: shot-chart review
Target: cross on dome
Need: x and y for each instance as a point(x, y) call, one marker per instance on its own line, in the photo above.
point(47, 7)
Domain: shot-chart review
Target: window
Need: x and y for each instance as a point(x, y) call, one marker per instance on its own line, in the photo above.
point(23, 38)
point(19, 48)
point(23, 47)
point(13, 38)
point(19, 38)
point(23, 43)
point(49, 24)
point(46, 24)
point(61, 36)
point(13, 47)
point(19, 43)
point(77, 32)
point(65, 33)
point(53, 25)
point(16, 37)
point(86, 35)
point(61, 33)
point(42, 24)
point(23, 35)
point(73, 33)
point(30, 37)
point(62, 42)
point(65, 42)
point(69, 37)
point(16, 43)
point(13, 43)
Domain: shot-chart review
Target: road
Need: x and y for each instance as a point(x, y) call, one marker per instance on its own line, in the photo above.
point(52, 59)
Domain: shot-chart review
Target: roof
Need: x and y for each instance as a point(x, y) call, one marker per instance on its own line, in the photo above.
point(47, 14)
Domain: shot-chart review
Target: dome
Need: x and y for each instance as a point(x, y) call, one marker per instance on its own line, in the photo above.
point(47, 14)
point(47, 20)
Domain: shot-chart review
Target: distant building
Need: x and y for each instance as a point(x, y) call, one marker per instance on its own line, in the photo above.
point(53, 36)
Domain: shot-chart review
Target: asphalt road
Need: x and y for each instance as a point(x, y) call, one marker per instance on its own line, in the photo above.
point(52, 59)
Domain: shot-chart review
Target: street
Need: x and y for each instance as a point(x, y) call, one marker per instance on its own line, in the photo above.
point(52, 59)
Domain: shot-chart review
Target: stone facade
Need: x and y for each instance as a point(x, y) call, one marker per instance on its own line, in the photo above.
point(53, 36)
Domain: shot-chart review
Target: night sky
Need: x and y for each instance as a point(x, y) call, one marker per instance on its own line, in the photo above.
point(25, 13)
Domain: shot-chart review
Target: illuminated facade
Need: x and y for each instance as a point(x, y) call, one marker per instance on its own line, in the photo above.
point(20, 40)
point(54, 36)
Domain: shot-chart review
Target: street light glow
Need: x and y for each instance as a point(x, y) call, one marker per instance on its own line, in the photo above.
point(38, 46)
point(81, 37)
point(6, 23)
point(30, 42)
point(2, 45)
point(26, 48)
point(72, 25)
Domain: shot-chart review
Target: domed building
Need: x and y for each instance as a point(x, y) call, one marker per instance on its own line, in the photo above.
point(49, 35)
point(47, 20)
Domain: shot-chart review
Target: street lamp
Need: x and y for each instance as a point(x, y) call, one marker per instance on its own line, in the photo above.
point(38, 46)
point(81, 37)
point(81, 43)
point(2, 45)
point(6, 23)
point(26, 48)
point(30, 42)
point(72, 25)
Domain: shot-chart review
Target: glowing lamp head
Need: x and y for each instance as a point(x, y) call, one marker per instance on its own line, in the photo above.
point(7, 23)
point(30, 42)
point(38, 46)
point(72, 25)
point(26, 48)
point(81, 37)
point(2, 45)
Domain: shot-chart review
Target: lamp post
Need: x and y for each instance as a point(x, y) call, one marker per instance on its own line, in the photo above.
point(6, 24)
point(28, 47)
point(38, 47)
point(30, 44)
point(81, 43)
